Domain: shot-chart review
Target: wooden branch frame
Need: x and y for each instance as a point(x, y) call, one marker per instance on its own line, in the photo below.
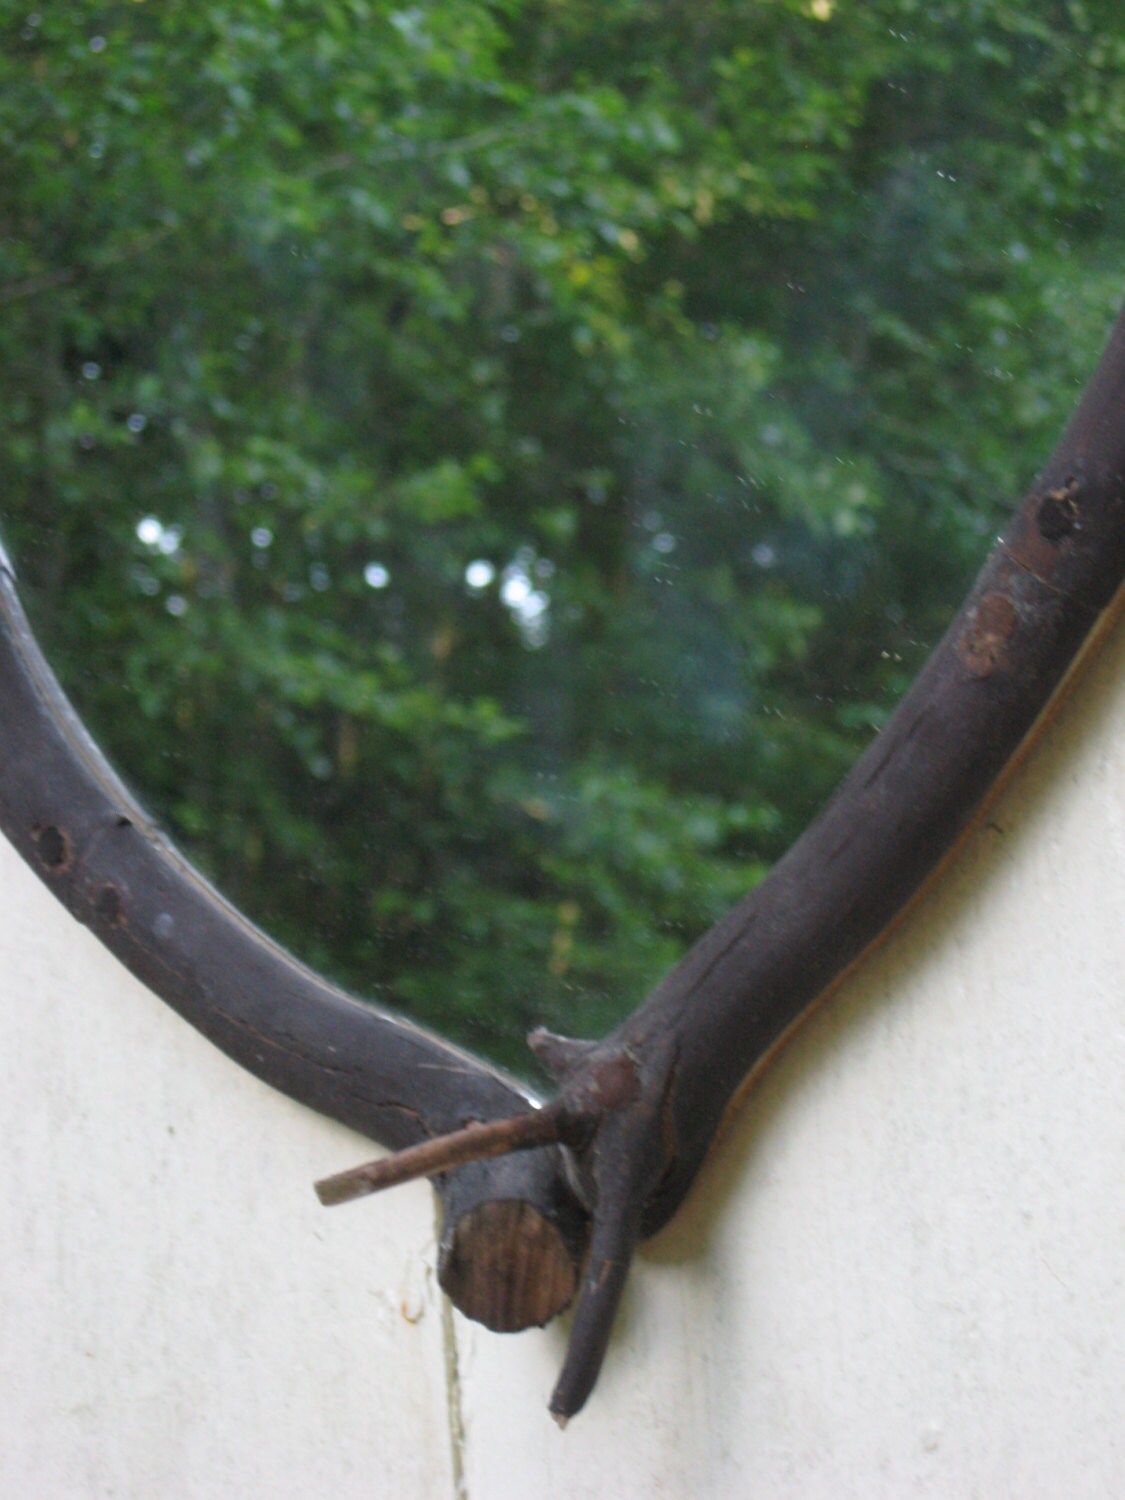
point(541, 1202)
point(84, 834)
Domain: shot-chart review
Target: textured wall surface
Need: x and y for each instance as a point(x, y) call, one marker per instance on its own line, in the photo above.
point(902, 1273)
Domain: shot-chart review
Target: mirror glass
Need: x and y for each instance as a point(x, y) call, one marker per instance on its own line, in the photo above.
point(484, 468)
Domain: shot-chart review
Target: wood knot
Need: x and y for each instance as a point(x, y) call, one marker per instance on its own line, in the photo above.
point(614, 1082)
point(1058, 513)
point(984, 645)
point(109, 904)
point(54, 847)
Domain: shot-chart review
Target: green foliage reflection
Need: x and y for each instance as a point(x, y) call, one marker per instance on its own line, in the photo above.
point(484, 469)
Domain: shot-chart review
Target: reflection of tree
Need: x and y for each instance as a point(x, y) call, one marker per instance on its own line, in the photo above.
point(674, 326)
point(638, 1111)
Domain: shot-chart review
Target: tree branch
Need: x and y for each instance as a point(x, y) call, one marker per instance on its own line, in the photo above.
point(430, 1158)
point(680, 1059)
point(83, 833)
point(46, 281)
point(636, 1113)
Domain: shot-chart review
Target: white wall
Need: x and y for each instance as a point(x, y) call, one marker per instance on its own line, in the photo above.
point(902, 1274)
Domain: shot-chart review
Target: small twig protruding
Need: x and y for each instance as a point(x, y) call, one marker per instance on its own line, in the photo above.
point(560, 1055)
point(603, 1111)
point(476, 1142)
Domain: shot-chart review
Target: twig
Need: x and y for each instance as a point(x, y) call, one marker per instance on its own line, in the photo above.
point(46, 281)
point(477, 1142)
point(652, 1096)
point(410, 150)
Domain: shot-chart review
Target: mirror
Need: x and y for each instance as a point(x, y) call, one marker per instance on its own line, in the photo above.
point(484, 471)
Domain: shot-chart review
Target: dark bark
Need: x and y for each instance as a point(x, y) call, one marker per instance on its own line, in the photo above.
point(719, 1013)
point(635, 1114)
point(86, 837)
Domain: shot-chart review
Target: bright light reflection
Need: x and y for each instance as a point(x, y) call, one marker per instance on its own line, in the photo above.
point(516, 589)
point(530, 606)
point(375, 576)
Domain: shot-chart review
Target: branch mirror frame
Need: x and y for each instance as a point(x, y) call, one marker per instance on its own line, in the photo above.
point(544, 1201)
point(610, 1157)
